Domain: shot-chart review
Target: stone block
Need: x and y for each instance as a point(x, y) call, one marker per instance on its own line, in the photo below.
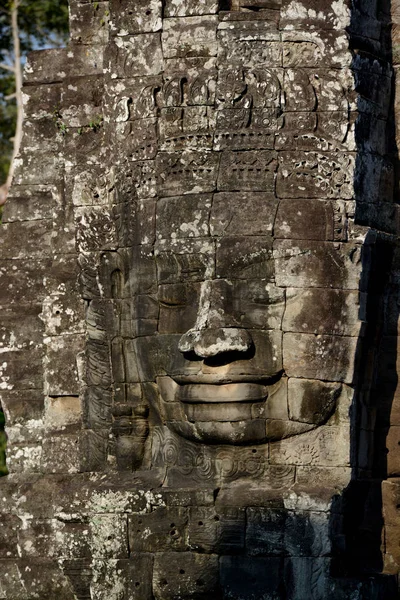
point(63, 413)
point(40, 101)
point(247, 171)
point(307, 534)
point(390, 498)
point(40, 169)
point(86, 146)
point(21, 369)
point(244, 257)
point(8, 537)
point(217, 531)
point(312, 401)
point(186, 8)
point(184, 260)
point(229, 208)
point(332, 89)
point(24, 458)
point(41, 577)
point(373, 178)
point(108, 536)
point(324, 16)
point(163, 530)
point(183, 216)
point(380, 215)
point(315, 175)
point(244, 44)
point(40, 134)
point(310, 49)
point(90, 186)
point(22, 407)
point(29, 332)
point(393, 457)
point(54, 539)
point(325, 357)
point(186, 173)
point(95, 229)
point(97, 364)
point(372, 85)
point(81, 106)
point(305, 576)
point(133, 576)
point(60, 364)
point(131, 99)
point(326, 446)
point(29, 203)
point(144, 279)
point(265, 532)
point(61, 454)
point(133, 17)
point(186, 574)
point(249, 578)
point(136, 140)
point(79, 573)
point(322, 311)
point(96, 407)
point(307, 220)
point(311, 477)
point(190, 36)
point(178, 307)
point(94, 449)
point(30, 432)
point(267, 359)
point(52, 66)
point(89, 23)
point(11, 583)
point(135, 56)
point(187, 497)
point(63, 312)
point(311, 264)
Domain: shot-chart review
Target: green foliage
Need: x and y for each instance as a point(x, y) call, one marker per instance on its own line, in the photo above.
point(8, 115)
point(42, 24)
point(93, 125)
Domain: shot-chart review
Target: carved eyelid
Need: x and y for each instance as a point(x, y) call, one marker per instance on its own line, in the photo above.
point(173, 294)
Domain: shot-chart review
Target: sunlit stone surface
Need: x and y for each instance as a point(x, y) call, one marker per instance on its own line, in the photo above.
point(199, 300)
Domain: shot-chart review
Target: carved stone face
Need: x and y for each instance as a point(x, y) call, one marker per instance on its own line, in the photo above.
point(256, 326)
point(246, 281)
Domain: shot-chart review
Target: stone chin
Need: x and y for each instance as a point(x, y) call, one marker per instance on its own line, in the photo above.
point(233, 413)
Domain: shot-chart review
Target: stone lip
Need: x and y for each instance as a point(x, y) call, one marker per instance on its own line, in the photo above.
point(221, 378)
point(204, 393)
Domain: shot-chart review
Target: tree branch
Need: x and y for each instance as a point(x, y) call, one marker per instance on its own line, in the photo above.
point(7, 67)
point(18, 86)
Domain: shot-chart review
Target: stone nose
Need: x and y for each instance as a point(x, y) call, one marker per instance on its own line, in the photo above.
point(210, 342)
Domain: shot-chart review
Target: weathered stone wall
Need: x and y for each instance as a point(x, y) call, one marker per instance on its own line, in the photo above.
point(199, 295)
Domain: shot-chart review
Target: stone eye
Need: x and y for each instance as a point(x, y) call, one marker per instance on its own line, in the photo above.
point(172, 295)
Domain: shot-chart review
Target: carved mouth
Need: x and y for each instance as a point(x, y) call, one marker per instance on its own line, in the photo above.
point(225, 378)
point(203, 393)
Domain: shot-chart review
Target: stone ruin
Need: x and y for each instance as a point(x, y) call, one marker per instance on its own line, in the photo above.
point(199, 291)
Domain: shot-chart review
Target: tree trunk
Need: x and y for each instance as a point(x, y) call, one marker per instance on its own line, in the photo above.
point(18, 94)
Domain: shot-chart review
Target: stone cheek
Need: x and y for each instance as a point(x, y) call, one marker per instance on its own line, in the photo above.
point(195, 254)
